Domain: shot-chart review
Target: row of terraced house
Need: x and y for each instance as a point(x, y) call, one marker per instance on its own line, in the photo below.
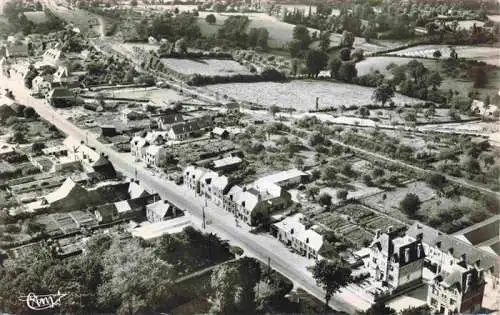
point(252, 203)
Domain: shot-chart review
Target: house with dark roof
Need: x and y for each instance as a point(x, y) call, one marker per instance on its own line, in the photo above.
point(396, 262)
point(16, 51)
point(442, 251)
point(60, 97)
point(483, 235)
point(167, 120)
point(458, 290)
point(184, 129)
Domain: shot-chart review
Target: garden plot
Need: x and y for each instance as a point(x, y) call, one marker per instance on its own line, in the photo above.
point(490, 55)
point(390, 203)
point(301, 95)
point(205, 67)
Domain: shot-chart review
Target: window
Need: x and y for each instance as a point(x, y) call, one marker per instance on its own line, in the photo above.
point(433, 302)
point(390, 278)
point(452, 302)
point(407, 254)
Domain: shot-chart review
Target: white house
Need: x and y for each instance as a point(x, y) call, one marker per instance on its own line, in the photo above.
point(396, 261)
point(52, 57)
point(161, 210)
point(155, 155)
point(457, 291)
point(303, 239)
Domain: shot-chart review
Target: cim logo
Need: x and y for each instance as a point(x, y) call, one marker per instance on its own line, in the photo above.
point(42, 302)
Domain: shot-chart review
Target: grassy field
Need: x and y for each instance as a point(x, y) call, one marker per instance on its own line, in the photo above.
point(206, 67)
point(281, 33)
point(490, 55)
point(301, 95)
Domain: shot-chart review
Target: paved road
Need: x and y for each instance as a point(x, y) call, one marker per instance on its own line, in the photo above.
point(260, 246)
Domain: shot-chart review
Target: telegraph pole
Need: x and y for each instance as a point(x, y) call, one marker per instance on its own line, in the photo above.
point(204, 225)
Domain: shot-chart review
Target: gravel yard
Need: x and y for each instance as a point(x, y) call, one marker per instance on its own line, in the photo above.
point(301, 95)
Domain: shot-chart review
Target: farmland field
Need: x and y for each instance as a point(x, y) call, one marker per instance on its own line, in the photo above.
point(301, 95)
point(206, 67)
point(490, 55)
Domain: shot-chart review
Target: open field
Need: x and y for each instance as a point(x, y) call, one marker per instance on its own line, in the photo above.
point(281, 33)
point(205, 67)
point(301, 95)
point(490, 55)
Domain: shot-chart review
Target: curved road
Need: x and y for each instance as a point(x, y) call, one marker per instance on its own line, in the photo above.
point(260, 246)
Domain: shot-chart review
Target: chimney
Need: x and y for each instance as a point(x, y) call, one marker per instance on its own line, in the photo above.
point(450, 250)
point(478, 263)
point(389, 229)
point(420, 236)
point(377, 233)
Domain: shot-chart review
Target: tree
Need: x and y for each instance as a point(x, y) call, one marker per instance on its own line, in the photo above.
point(347, 39)
point(410, 204)
point(347, 71)
point(224, 280)
point(312, 191)
point(37, 147)
point(434, 79)
point(210, 18)
point(437, 54)
point(324, 40)
point(325, 200)
point(421, 310)
point(294, 47)
point(249, 276)
point(345, 54)
point(133, 3)
point(357, 54)
point(316, 61)
point(29, 112)
point(453, 53)
point(379, 308)
point(331, 276)
point(274, 109)
point(262, 38)
point(436, 181)
point(180, 46)
point(342, 194)
point(301, 33)
point(383, 93)
point(334, 65)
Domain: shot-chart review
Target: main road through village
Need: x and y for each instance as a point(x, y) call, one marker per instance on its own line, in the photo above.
point(260, 246)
